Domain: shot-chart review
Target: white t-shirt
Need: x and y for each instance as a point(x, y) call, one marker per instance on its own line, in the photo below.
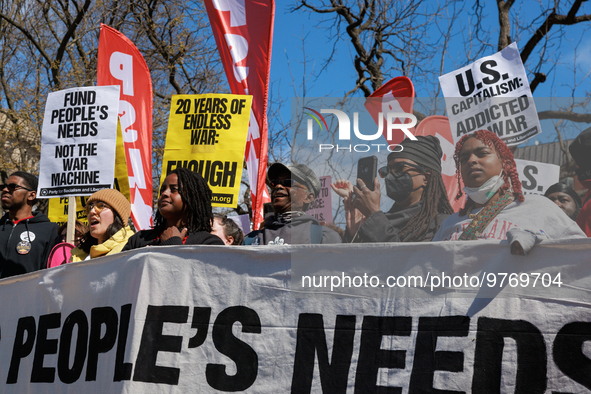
point(537, 214)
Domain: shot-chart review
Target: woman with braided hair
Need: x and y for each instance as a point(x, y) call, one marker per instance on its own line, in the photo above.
point(184, 214)
point(413, 181)
point(496, 207)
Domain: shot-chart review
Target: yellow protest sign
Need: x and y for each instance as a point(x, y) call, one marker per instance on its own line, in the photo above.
point(207, 134)
point(58, 207)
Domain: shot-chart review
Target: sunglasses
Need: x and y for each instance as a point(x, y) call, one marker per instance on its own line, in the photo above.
point(286, 183)
point(397, 168)
point(14, 186)
point(98, 207)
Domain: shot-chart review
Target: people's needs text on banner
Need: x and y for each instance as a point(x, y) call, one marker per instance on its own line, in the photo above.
point(207, 134)
point(492, 93)
point(226, 319)
point(78, 141)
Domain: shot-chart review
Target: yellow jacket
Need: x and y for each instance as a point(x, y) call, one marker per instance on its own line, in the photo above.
point(110, 246)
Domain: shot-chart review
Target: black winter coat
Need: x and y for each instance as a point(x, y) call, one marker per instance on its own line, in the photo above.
point(38, 231)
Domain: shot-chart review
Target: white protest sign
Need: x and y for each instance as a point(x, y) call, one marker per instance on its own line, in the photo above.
point(536, 177)
point(78, 141)
point(214, 319)
point(321, 207)
point(492, 93)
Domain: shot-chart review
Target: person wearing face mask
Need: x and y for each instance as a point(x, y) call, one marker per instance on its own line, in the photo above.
point(413, 180)
point(293, 188)
point(496, 208)
point(580, 150)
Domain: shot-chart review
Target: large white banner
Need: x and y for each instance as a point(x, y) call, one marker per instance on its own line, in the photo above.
point(231, 319)
point(78, 141)
point(492, 93)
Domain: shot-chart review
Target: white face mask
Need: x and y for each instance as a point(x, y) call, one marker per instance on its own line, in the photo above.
point(482, 194)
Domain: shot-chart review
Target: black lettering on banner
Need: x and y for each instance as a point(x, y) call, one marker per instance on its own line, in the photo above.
point(216, 173)
point(372, 357)
point(87, 149)
point(200, 321)
point(488, 357)
point(225, 342)
point(65, 373)
point(486, 68)
point(311, 340)
point(567, 352)
point(104, 115)
point(82, 97)
point(528, 172)
point(43, 346)
point(462, 87)
point(228, 121)
point(26, 326)
point(102, 316)
point(122, 369)
point(153, 342)
point(427, 360)
point(184, 106)
point(236, 106)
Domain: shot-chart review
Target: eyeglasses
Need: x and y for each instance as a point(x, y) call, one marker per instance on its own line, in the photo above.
point(98, 207)
point(14, 186)
point(397, 168)
point(286, 183)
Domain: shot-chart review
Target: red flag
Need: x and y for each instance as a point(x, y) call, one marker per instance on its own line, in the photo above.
point(438, 126)
point(396, 95)
point(243, 31)
point(121, 63)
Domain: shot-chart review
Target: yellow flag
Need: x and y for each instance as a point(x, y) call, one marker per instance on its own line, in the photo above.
point(58, 207)
point(207, 134)
point(121, 181)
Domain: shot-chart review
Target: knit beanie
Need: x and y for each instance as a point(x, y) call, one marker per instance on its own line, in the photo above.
point(115, 200)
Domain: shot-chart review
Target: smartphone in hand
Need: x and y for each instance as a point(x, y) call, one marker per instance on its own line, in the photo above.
point(367, 170)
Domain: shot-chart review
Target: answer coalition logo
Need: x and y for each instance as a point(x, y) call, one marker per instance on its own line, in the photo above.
point(394, 121)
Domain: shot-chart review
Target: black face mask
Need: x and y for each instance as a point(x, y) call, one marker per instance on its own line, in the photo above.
point(399, 186)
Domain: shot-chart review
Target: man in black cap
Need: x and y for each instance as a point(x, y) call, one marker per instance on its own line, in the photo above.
point(580, 150)
point(413, 181)
point(293, 188)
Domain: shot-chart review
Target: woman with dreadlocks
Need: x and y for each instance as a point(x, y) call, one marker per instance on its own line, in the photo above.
point(184, 214)
point(413, 181)
point(496, 208)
